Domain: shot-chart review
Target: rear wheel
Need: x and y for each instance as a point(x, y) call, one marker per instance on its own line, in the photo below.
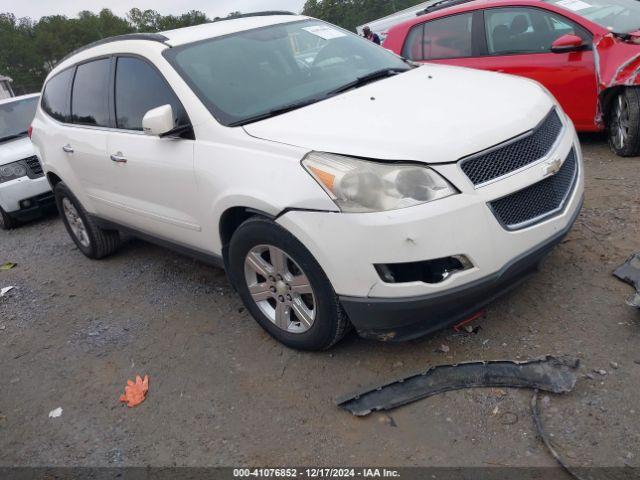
point(92, 240)
point(284, 287)
point(624, 123)
point(7, 222)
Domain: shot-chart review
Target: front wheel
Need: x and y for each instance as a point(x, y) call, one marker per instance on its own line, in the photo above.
point(624, 123)
point(284, 287)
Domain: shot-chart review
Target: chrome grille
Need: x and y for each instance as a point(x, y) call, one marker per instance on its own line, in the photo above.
point(514, 154)
point(34, 167)
point(538, 201)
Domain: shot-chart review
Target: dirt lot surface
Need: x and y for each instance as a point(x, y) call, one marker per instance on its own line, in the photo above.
point(222, 392)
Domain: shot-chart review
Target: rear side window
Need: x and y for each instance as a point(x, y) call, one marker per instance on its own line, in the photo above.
point(89, 100)
point(55, 99)
point(140, 88)
point(449, 37)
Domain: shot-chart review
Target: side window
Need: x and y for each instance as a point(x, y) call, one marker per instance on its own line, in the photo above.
point(413, 44)
point(138, 89)
point(525, 30)
point(55, 99)
point(89, 100)
point(449, 37)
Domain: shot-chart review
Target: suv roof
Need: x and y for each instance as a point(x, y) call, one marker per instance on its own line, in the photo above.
point(17, 99)
point(228, 26)
point(181, 35)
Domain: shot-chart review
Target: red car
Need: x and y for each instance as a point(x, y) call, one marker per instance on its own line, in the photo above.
point(586, 52)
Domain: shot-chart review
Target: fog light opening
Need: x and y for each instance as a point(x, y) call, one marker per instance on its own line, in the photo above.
point(428, 271)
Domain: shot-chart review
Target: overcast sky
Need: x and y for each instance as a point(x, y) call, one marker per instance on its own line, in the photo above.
point(213, 8)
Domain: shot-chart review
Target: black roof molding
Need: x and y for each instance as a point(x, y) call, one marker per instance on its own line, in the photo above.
point(153, 37)
point(441, 5)
point(256, 14)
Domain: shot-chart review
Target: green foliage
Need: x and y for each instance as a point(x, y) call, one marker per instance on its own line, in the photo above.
point(29, 50)
point(351, 13)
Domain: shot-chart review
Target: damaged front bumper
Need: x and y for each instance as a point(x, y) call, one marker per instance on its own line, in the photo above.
point(400, 319)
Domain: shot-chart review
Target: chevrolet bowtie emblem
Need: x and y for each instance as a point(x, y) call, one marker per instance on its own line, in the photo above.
point(552, 167)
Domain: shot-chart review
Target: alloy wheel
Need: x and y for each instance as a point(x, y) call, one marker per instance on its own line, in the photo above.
point(280, 288)
point(621, 123)
point(75, 223)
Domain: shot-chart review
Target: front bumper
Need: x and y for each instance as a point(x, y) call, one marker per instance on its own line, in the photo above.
point(399, 319)
point(14, 193)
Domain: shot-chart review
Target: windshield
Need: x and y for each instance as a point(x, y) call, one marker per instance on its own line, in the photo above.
point(619, 16)
point(263, 72)
point(15, 118)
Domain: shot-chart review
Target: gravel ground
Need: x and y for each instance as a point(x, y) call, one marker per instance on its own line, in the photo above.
point(224, 393)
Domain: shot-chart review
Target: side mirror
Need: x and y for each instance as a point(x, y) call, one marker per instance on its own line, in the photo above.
point(158, 121)
point(567, 43)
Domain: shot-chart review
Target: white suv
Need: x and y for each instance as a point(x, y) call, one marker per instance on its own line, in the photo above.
point(337, 184)
point(24, 190)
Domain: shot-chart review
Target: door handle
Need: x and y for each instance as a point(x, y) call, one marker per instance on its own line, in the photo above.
point(119, 158)
point(67, 148)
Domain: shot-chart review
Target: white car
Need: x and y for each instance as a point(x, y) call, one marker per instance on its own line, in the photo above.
point(24, 190)
point(353, 190)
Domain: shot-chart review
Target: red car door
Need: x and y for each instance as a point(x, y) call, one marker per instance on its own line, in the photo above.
point(518, 42)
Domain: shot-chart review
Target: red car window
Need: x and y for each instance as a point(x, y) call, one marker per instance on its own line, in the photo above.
point(448, 37)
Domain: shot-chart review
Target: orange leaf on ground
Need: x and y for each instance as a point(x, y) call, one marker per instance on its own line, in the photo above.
point(135, 393)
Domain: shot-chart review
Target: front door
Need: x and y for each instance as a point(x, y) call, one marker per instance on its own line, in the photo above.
point(518, 42)
point(152, 179)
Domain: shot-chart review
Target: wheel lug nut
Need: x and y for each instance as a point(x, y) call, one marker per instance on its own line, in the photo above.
point(273, 289)
point(281, 298)
point(271, 278)
point(289, 297)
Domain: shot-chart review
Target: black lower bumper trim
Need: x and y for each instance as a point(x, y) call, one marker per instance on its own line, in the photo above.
point(399, 319)
point(39, 203)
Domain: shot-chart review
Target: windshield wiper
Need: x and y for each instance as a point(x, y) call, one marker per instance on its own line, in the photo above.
point(13, 137)
point(371, 77)
point(276, 111)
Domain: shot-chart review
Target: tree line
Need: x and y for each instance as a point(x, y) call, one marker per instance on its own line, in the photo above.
point(29, 49)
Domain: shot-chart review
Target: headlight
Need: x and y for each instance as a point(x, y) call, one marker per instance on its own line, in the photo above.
point(11, 171)
point(358, 186)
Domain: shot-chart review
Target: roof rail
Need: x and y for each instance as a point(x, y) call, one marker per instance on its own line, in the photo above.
point(441, 5)
point(154, 37)
point(266, 13)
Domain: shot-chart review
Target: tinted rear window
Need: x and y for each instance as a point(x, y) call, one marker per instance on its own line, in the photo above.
point(89, 101)
point(140, 88)
point(55, 100)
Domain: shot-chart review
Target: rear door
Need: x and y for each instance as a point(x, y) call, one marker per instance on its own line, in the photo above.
point(518, 42)
point(453, 40)
point(85, 137)
point(152, 182)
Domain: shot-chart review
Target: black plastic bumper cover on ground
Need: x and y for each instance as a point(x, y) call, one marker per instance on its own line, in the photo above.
point(550, 374)
point(399, 319)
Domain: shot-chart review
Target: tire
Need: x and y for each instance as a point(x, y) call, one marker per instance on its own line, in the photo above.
point(624, 123)
point(7, 222)
point(278, 312)
point(90, 239)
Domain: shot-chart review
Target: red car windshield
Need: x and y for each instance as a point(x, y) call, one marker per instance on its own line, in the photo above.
point(619, 16)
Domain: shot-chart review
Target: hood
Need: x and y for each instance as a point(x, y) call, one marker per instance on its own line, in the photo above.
point(432, 114)
point(17, 149)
